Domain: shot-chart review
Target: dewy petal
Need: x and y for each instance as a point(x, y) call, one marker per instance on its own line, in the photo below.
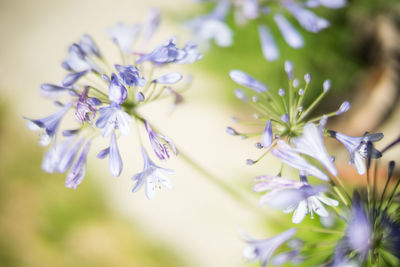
point(268, 45)
point(286, 154)
point(289, 33)
point(244, 79)
point(77, 172)
point(267, 137)
point(311, 143)
point(114, 159)
point(169, 78)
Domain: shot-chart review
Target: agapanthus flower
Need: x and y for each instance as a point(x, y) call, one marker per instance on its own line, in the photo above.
point(152, 177)
point(285, 118)
point(213, 26)
point(262, 250)
point(357, 147)
point(297, 196)
point(106, 99)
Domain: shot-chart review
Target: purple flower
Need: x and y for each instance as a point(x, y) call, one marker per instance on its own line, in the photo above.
point(191, 55)
point(358, 240)
point(89, 46)
point(114, 158)
point(53, 155)
point(160, 149)
point(165, 53)
point(244, 79)
point(268, 45)
point(67, 156)
point(267, 137)
point(113, 117)
point(263, 250)
point(85, 110)
point(213, 27)
point(49, 123)
point(130, 75)
point(152, 176)
point(291, 196)
point(124, 36)
point(117, 93)
point(311, 143)
point(78, 171)
point(358, 148)
point(289, 156)
point(77, 60)
point(289, 33)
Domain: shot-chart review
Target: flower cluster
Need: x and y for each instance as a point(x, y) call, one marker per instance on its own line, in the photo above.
point(370, 232)
point(213, 26)
point(106, 101)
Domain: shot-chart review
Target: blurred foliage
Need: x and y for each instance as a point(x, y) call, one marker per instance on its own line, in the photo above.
point(43, 223)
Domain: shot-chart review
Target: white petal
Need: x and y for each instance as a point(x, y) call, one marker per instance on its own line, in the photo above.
point(359, 163)
point(150, 188)
point(328, 201)
point(300, 212)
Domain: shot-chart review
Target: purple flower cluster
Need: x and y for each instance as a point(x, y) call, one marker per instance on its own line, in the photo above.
point(213, 26)
point(106, 99)
point(297, 141)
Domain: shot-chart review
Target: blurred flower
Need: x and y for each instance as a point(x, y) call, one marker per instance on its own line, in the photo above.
point(263, 250)
point(106, 98)
point(213, 26)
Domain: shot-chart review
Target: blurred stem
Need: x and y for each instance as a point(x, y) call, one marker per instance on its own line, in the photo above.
point(216, 181)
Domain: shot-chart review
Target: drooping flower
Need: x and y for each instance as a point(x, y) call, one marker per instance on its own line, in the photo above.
point(49, 124)
point(152, 177)
point(78, 170)
point(357, 147)
point(262, 250)
point(160, 148)
point(114, 158)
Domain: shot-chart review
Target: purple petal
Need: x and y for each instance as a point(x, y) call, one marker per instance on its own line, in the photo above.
point(268, 45)
point(267, 137)
point(114, 159)
point(289, 33)
point(77, 172)
point(242, 78)
point(71, 78)
point(169, 78)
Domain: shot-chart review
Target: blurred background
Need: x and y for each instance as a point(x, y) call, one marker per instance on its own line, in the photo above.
point(102, 223)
